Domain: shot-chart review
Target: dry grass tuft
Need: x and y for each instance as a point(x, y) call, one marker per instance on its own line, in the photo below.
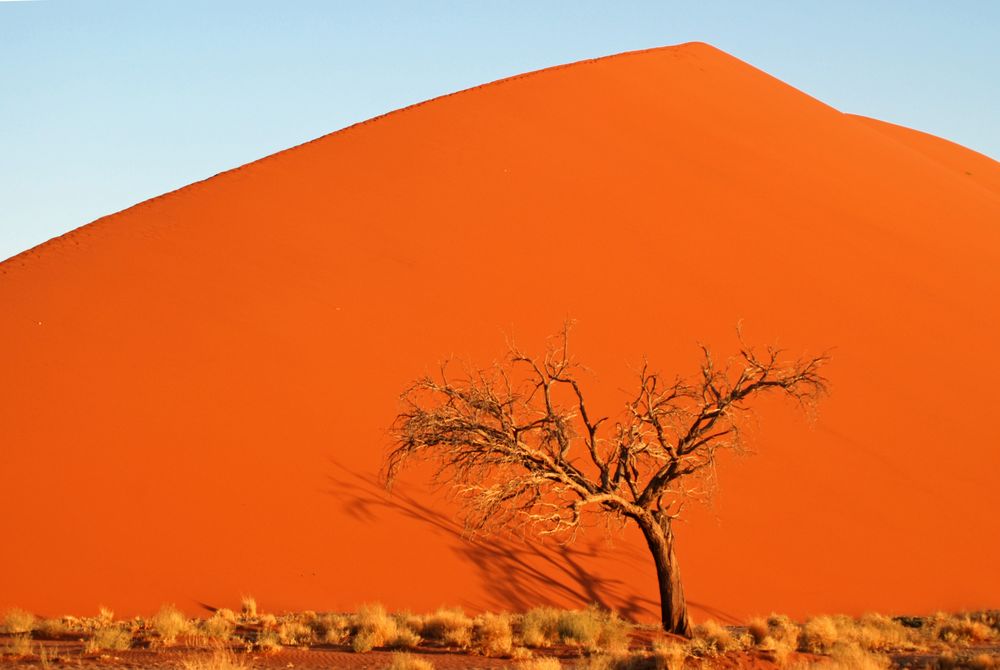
point(669, 654)
point(594, 629)
point(108, 638)
point(17, 621)
point(401, 661)
point(292, 632)
point(170, 623)
point(963, 628)
point(372, 627)
point(851, 656)
point(218, 627)
point(448, 628)
point(248, 607)
point(540, 627)
point(52, 629)
point(711, 638)
point(220, 660)
point(17, 645)
point(332, 628)
point(819, 634)
point(492, 635)
point(405, 638)
point(983, 662)
point(540, 663)
point(105, 616)
point(268, 641)
point(619, 661)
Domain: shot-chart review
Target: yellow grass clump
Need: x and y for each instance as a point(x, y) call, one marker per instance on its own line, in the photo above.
point(105, 616)
point(16, 621)
point(372, 627)
point(848, 656)
point(405, 638)
point(492, 635)
point(963, 628)
point(711, 638)
point(248, 607)
point(107, 638)
point(17, 645)
point(540, 663)
point(540, 627)
point(332, 628)
point(268, 641)
point(52, 629)
point(669, 654)
point(401, 661)
point(448, 627)
point(292, 632)
point(219, 627)
point(220, 660)
point(169, 623)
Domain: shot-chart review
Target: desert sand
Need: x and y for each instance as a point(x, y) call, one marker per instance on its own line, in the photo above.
point(198, 389)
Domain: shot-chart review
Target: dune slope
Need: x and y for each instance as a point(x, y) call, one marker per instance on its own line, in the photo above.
point(198, 389)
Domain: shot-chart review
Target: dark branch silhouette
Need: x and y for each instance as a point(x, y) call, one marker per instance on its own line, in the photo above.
point(520, 448)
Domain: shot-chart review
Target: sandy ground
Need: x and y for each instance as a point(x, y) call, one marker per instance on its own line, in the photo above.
point(71, 655)
point(197, 390)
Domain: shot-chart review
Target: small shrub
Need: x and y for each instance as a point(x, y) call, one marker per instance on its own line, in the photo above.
point(372, 628)
point(983, 662)
point(405, 638)
point(711, 638)
point(363, 642)
point(220, 660)
point(593, 628)
point(758, 629)
point(669, 654)
point(268, 641)
point(169, 623)
point(292, 633)
point(521, 653)
point(332, 628)
point(448, 627)
point(17, 621)
point(540, 663)
point(217, 627)
point(108, 638)
point(248, 607)
point(778, 651)
point(961, 629)
point(819, 634)
point(105, 616)
point(876, 632)
point(17, 645)
point(402, 661)
point(540, 627)
point(850, 656)
point(492, 635)
point(783, 630)
point(52, 629)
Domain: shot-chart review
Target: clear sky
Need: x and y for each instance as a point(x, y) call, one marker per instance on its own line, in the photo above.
point(106, 103)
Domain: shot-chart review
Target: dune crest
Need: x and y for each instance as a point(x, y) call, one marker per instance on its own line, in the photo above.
point(199, 387)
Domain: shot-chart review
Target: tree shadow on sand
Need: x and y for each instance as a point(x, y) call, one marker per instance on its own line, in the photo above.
point(517, 574)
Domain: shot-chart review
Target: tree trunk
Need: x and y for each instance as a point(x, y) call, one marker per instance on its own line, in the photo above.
point(673, 608)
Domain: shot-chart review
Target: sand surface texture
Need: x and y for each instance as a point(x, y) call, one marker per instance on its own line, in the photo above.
point(197, 390)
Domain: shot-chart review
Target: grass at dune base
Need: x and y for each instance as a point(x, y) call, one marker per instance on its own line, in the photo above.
point(543, 638)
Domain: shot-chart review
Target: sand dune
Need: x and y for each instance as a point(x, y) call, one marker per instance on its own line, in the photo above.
point(198, 389)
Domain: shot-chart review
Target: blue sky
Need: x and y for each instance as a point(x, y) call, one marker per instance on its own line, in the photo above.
point(107, 103)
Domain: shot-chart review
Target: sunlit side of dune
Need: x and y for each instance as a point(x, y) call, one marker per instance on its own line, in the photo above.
point(198, 389)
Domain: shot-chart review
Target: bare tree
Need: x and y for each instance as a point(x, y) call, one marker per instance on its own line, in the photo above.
point(520, 447)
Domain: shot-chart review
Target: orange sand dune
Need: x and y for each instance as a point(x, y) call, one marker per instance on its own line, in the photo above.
point(198, 389)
